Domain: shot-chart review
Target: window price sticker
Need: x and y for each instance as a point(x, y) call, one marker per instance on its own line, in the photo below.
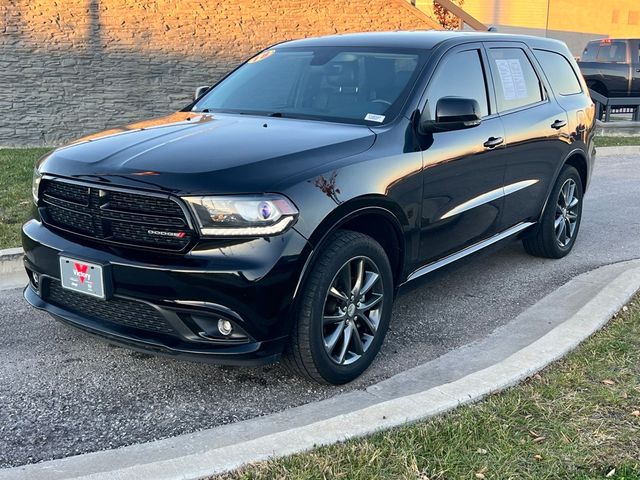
point(262, 56)
point(514, 86)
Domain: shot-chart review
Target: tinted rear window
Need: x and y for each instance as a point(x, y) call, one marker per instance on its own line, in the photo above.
point(559, 72)
point(612, 52)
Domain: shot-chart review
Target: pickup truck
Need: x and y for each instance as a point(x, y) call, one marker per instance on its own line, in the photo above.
point(611, 67)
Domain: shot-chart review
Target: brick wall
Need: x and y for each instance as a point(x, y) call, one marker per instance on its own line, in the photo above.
point(72, 67)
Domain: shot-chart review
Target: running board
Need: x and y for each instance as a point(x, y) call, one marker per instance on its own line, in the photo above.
point(468, 251)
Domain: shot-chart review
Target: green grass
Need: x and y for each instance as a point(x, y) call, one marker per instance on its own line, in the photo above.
point(16, 170)
point(576, 420)
point(617, 141)
point(16, 166)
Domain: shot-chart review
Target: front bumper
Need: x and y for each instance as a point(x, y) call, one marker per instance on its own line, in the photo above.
point(169, 304)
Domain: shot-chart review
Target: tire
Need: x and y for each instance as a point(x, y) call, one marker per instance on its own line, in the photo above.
point(599, 88)
point(547, 239)
point(325, 317)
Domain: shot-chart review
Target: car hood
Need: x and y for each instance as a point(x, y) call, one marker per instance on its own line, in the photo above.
point(192, 153)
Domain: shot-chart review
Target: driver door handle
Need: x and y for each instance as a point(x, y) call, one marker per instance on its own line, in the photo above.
point(493, 142)
point(558, 124)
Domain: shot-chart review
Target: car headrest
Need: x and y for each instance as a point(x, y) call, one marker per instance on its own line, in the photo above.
point(343, 74)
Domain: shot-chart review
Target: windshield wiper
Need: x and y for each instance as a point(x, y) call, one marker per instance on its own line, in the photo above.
point(253, 112)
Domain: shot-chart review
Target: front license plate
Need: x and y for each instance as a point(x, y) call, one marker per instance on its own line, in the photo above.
point(81, 276)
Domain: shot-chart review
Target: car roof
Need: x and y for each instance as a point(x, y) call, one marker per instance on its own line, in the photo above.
point(612, 39)
point(419, 39)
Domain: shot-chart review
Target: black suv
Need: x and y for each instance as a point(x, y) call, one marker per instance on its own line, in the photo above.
point(280, 212)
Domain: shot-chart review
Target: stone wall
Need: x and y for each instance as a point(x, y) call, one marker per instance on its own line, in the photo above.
point(72, 67)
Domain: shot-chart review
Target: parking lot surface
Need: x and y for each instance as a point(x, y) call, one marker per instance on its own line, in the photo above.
point(63, 392)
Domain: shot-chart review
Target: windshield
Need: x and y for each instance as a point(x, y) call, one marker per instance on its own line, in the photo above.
point(352, 85)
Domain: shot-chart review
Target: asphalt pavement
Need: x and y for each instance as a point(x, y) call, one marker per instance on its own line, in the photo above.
point(63, 392)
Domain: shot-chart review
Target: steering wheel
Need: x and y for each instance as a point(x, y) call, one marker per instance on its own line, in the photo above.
point(380, 100)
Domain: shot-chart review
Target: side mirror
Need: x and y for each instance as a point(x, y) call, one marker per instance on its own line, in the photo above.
point(453, 113)
point(200, 91)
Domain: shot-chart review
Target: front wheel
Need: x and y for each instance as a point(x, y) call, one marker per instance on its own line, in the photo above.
point(344, 310)
point(557, 231)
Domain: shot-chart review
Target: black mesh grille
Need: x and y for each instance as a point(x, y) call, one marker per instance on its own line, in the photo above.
point(121, 312)
point(69, 191)
point(134, 219)
point(137, 203)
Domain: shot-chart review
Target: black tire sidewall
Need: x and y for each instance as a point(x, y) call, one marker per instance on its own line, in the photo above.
point(548, 221)
point(320, 283)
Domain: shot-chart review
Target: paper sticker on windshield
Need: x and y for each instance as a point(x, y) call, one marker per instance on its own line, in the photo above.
point(372, 117)
point(514, 86)
point(262, 56)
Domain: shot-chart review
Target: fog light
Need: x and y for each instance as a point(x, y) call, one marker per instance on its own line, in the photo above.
point(34, 278)
point(225, 327)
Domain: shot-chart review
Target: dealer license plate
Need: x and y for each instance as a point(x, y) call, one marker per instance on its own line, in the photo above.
point(83, 277)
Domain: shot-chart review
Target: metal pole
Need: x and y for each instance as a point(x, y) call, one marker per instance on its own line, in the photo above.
point(546, 30)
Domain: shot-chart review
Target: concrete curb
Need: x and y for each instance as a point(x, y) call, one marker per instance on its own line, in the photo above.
point(616, 151)
point(12, 274)
point(574, 312)
point(618, 129)
point(11, 260)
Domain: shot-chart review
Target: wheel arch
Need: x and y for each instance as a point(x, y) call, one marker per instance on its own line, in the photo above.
point(374, 215)
point(577, 159)
point(598, 86)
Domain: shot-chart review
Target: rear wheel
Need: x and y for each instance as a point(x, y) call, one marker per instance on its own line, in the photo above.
point(556, 233)
point(344, 310)
point(599, 88)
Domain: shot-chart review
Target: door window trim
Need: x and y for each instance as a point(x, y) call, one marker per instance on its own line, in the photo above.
point(491, 100)
point(546, 90)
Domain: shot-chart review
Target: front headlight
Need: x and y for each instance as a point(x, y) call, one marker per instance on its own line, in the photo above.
point(35, 185)
point(230, 216)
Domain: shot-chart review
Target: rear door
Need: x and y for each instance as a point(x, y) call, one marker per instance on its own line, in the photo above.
point(536, 131)
point(463, 169)
point(562, 76)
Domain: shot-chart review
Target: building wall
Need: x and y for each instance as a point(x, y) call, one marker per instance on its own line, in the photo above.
point(75, 67)
point(574, 22)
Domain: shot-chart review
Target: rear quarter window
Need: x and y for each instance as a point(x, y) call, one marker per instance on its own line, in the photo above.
point(559, 71)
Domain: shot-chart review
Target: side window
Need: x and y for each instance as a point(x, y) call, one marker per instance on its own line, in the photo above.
point(559, 72)
point(516, 82)
point(461, 75)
